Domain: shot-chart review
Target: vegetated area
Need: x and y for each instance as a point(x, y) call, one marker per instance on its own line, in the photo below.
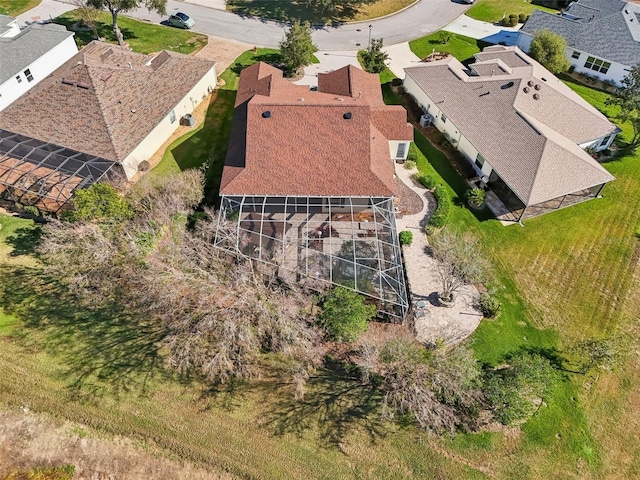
point(142, 37)
point(459, 46)
point(288, 11)
point(564, 277)
point(16, 7)
point(493, 10)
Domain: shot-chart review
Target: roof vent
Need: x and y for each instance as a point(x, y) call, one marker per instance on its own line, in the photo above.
point(537, 86)
point(530, 83)
point(347, 116)
point(340, 99)
point(543, 79)
point(82, 85)
point(68, 82)
point(266, 114)
point(106, 76)
point(133, 110)
point(536, 96)
point(301, 99)
point(526, 89)
point(507, 85)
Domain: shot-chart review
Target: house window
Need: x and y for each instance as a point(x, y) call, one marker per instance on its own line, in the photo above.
point(18, 78)
point(443, 117)
point(575, 54)
point(27, 73)
point(597, 65)
point(479, 161)
point(172, 116)
point(402, 148)
point(336, 201)
point(605, 140)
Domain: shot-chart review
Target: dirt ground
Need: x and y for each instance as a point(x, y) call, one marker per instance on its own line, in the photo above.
point(29, 441)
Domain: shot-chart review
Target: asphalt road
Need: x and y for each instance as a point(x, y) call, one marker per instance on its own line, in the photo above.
point(419, 20)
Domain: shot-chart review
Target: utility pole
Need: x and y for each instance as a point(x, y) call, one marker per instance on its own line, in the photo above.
point(369, 44)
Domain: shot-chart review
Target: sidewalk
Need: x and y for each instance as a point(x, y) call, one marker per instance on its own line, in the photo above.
point(46, 11)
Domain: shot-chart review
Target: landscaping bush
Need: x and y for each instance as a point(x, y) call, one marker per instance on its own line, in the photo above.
point(396, 82)
point(489, 305)
point(522, 18)
point(31, 210)
point(409, 164)
point(345, 315)
point(505, 21)
point(475, 197)
point(406, 237)
point(429, 229)
point(428, 182)
point(513, 20)
point(441, 215)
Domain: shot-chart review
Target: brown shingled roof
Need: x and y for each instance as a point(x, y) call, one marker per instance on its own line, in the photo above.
point(105, 100)
point(305, 144)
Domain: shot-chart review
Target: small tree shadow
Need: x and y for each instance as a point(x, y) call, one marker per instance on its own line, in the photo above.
point(336, 403)
point(24, 240)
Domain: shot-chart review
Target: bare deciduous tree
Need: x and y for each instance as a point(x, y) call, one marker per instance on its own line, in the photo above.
point(89, 14)
point(459, 262)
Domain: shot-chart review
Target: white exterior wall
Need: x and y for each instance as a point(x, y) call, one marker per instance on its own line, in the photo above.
point(165, 128)
point(13, 29)
point(11, 90)
point(393, 149)
point(615, 74)
point(599, 144)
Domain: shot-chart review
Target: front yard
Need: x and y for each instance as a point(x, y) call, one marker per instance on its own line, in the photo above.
point(493, 10)
point(16, 7)
point(142, 37)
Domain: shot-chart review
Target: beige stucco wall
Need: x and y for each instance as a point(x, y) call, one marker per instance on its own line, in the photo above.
point(165, 128)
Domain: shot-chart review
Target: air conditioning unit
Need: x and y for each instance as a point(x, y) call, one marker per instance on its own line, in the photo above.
point(426, 120)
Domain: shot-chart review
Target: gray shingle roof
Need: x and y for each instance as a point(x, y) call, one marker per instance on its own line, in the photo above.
point(18, 52)
point(609, 29)
point(105, 99)
point(531, 143)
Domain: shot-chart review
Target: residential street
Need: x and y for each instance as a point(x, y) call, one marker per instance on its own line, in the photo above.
point(419, 20)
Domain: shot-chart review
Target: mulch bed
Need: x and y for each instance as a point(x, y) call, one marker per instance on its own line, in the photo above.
point(410, 202)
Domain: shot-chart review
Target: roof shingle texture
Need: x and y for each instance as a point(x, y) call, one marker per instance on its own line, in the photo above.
point(531, 143)
point(105, 100)
point(305, 145)
point(609, 29)
point(20, 51)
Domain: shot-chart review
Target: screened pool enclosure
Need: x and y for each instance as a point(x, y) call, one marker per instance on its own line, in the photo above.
point(349, 241)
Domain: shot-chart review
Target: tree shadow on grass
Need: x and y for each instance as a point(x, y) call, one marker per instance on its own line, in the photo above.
point(24, 240)
point(104, 348)
point(336, 404)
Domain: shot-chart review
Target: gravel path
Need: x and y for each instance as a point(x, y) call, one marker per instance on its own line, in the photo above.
point(433, 322)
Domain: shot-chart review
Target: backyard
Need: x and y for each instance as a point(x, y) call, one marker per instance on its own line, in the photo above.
point(562, 278)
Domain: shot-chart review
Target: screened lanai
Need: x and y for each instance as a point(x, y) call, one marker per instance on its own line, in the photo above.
point(34, 172)
point(350, 241)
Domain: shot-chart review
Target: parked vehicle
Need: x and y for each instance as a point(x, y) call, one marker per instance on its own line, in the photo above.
point(181, 20)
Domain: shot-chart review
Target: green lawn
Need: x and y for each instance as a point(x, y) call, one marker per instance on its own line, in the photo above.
point(142, 37)
point(14, 8)
point(288, 11)
point(564, 277)
point(459, 46)
point(492, 10)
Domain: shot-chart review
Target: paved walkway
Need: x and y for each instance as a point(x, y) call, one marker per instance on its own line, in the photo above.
point(453, 324)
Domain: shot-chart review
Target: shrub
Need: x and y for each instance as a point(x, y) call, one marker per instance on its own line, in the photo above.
point(428, 181)
point(441, 216)
point(522, 18)
point(31, 210)
point(429, 229)
point(475, 197)
point(406, 237)
point(100, 201)
point(505, 22)
point(489, 305)
point(409, 164)
point(396, 82)
point(345, 315)
point(144, 166)
point(374, 58)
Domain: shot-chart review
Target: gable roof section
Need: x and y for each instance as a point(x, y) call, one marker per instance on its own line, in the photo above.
point(531, 143)
point(304, 145)
point(609, 29)
point(21, 50)
point(105, 100)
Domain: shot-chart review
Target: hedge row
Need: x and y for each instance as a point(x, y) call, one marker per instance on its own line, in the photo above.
point(441, 216)
point(427, 181)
